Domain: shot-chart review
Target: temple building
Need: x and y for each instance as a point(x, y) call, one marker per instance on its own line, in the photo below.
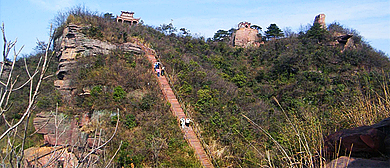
point(127, 17)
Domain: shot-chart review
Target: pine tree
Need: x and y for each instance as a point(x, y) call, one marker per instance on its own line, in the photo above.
point(273, 31)
point(318, 33)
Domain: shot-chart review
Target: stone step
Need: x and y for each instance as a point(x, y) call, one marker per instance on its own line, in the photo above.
point(176, 109)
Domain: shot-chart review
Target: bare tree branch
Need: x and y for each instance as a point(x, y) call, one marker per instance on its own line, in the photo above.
point(34, 94)
point(120, 145)
point(104, 144)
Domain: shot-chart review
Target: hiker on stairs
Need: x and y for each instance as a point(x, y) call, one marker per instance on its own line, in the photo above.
point(182, 122)
point(158, 72)
point(188, 122)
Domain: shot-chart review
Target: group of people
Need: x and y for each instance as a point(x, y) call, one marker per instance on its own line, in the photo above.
point(185, 122)
point(159, 69)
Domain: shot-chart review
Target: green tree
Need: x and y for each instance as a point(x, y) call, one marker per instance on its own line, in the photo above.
point(109, 16)
point(231, 31)
point(167, 28)
point(273, 31)
point(185, 31)
point(258, 28)
point(221, 35)
point(318, 33)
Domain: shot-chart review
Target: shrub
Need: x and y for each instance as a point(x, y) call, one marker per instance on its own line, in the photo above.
point(119, 94)
point(130, 121)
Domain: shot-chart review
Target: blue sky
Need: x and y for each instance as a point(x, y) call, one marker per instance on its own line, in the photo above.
point(29, 20)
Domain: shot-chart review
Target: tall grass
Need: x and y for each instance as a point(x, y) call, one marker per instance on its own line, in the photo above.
point(300, 142)
point(369, 108)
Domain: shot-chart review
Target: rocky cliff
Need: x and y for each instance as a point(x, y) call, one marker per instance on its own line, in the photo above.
point(72, 45)
point(65, 136)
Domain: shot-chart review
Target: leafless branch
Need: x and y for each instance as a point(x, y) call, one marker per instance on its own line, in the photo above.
point(33, 94)
point(47, 122)
point(120, 145)
point(104, 144)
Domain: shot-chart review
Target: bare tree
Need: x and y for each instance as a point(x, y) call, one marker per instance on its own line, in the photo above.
point(13, 133)
point(14, 129)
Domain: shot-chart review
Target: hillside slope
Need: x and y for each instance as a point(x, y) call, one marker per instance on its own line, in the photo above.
point(296, 83)
point(259, 106)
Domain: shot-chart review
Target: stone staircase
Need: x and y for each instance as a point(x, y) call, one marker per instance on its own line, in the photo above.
point(176, 109)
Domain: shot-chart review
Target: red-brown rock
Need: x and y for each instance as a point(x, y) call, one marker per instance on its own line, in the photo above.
point(365, 141)
point(72, 45)
point(350, 162)
point(59, 129)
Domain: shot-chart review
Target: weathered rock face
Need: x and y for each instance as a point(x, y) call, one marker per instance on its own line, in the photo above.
point(67, 136)
point(345, 40)
point(321, 20)
point(365, 141)
point(72, 45)
point(246, 36)
point(59, 130)
point(64, 138)
point(49, 157)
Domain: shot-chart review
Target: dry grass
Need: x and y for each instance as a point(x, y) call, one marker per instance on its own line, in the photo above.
point(303, 141)
point(369, 109)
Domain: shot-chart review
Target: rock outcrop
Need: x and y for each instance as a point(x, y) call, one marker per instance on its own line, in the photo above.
point(246, 36)
point(59, 130)
point(65, 140)
point(340, 39)
point(345, 40)
point(51, 157)
point(66, 137)
point(321, 20)
point(350, 162)
point(72, 45)
point(365, 141)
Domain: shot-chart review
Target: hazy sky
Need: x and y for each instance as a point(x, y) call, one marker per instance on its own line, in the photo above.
point(29, 20)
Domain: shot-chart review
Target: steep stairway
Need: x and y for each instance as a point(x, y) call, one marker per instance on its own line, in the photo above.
point(176, 109)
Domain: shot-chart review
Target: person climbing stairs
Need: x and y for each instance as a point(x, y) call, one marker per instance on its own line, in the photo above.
point(176, 109)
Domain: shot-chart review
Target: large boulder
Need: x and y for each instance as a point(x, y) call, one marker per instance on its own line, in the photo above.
point(246, 36)
point(50, 157)
point(364, 141)
point(350, 162)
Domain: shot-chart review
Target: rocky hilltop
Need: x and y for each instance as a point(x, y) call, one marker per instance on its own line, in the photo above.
point(72, 45)
point(59, 129)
